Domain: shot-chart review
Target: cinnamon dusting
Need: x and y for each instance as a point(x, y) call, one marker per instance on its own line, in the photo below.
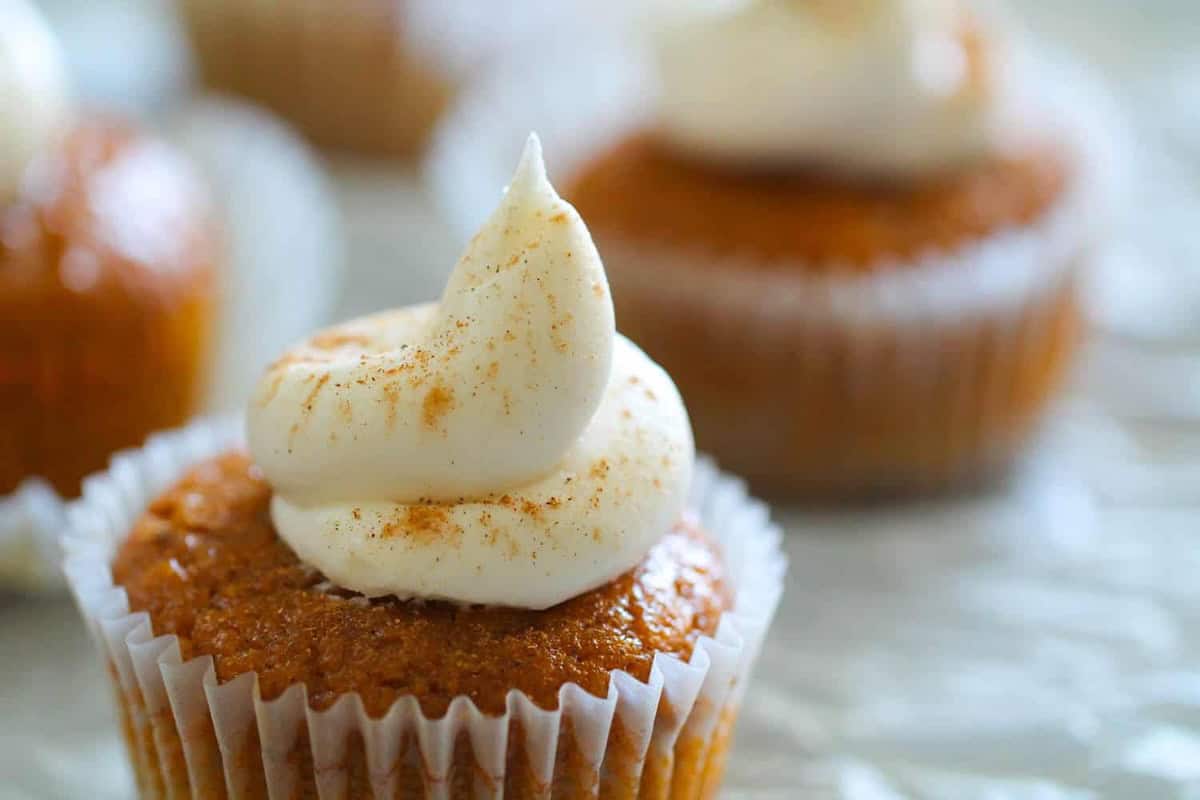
point(438, 402)
point(312, 395)
point(422, 522)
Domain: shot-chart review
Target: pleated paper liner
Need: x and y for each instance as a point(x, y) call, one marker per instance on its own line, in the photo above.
point(365, 76)
point(914, 378)
point(190, 736)
point(31, 520)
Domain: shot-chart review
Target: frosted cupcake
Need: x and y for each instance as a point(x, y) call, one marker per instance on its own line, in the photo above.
point(853, 234)
point(458, 560)
point(107, 272)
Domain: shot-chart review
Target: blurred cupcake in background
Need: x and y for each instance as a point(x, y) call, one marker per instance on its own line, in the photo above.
point(141, 281)
point(107, 274)
point(366, 80)
point(365, 76)
point(853, 232)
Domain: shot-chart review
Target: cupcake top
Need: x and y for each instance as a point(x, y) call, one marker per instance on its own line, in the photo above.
point(882, 88)
point(208, 566)
point(34, 87)
point(504, 446)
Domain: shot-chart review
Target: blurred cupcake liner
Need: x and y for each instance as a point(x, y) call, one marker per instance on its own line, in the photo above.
point(279, 275)
point(370, 76)
point(839, 399)
point(822, 381)
point(31, 520)
point(305, 60)
point(188, 735)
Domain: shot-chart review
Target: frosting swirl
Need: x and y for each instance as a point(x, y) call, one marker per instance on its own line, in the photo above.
point(881, 87)
point(504, 446)
point(34, 87)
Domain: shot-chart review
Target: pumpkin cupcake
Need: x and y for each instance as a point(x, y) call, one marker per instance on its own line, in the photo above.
point(458, 559)
point(106, 282)
point(366, 76)
point(853, 233)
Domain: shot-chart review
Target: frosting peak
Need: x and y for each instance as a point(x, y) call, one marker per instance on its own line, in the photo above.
point(503, 446)
point(882, 87)
point(34, 87)
point(481, 392)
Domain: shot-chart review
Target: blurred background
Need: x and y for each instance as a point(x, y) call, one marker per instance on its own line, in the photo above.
point(1036, 638)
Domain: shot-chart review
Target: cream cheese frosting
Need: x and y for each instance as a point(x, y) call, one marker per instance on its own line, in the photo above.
point(35, 100)
point(878, 87)
point(503, 446)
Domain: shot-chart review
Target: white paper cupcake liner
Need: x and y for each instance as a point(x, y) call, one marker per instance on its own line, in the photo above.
point(969, 367)
point(31, 520)
point(455, 36)
point(188, 734)
point(363, 76)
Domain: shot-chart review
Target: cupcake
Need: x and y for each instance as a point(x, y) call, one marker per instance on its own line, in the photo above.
point(106, 276)
point(852, 232)
point(366, 76)
point(458, 558)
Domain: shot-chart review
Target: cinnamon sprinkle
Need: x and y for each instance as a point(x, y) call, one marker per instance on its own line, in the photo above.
point(312, 395)
point(423, 522)
point(438, 402)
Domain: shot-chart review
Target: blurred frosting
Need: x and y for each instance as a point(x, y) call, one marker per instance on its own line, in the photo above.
point(35, 99)
point(880, 87)
point(504, 446)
